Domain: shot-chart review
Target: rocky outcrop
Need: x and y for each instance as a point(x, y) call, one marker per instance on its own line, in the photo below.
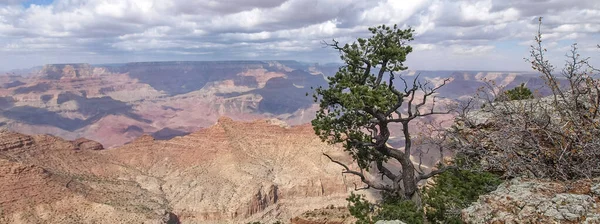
point(11, 140)
point(67, 71)
point(538, 201)
point(328, 215)
point(86, 144)
point(265, 197)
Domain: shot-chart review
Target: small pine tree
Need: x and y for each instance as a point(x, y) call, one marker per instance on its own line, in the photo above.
point(518, 93)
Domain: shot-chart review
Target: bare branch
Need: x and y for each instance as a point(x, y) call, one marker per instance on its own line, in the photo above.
point(435, 172)
point(364, 179)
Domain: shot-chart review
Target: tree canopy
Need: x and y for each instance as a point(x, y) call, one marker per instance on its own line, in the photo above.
point(362, 100)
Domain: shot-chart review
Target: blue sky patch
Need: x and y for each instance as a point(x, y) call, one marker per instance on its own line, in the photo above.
point(28, 3)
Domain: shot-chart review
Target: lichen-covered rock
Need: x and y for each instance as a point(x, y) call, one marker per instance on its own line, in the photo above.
point(595, 189)
point(537, 201)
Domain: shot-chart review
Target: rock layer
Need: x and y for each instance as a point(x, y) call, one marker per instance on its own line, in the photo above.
point(231, 172)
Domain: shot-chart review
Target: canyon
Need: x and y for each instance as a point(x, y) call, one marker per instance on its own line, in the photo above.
point(116, 103)
point(191, 142)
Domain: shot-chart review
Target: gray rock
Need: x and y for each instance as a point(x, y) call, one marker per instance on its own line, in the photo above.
point(533, 201)
point(595, 189)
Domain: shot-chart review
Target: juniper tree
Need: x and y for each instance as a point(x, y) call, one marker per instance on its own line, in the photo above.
point(518, 93)
point(361, 101)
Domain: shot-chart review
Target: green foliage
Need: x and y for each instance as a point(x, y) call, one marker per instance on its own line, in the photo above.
point(404, 210)
point(360, 208)
point(518, 93)
point(392, 208)
point(355, 95)
point(455, 190)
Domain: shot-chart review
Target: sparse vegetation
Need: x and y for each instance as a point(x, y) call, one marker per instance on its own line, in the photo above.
point(554, 137)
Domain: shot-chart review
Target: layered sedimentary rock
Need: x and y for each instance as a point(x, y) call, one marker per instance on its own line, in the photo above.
point(231, 172)
point(67, 71)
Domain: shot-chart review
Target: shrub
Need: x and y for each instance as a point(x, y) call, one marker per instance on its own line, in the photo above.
point(391, 208)
point(554, 137)
point(455, 190)
point(518, 93)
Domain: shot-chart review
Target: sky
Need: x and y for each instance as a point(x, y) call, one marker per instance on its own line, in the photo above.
point(492, 35)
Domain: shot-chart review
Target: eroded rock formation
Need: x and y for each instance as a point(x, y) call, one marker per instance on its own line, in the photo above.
point(231, 172)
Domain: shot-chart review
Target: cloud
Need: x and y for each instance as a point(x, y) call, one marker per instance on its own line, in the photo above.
point(11, 2)
point(472, 50)
point(103, 31)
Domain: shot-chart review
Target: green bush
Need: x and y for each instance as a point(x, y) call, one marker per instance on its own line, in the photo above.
point(455, 190)
point(518, 93)
point(391, 208)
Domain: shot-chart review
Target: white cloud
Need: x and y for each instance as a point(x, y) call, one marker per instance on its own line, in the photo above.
point(290, 29)
point(423, 47)
point(472, 50)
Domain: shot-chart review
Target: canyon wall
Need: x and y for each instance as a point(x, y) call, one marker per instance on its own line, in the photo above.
point(231, 172)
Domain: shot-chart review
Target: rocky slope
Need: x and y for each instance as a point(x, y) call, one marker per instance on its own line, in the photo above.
point(231, 172)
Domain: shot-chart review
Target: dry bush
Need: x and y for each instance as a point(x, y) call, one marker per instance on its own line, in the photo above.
point(555, 137)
